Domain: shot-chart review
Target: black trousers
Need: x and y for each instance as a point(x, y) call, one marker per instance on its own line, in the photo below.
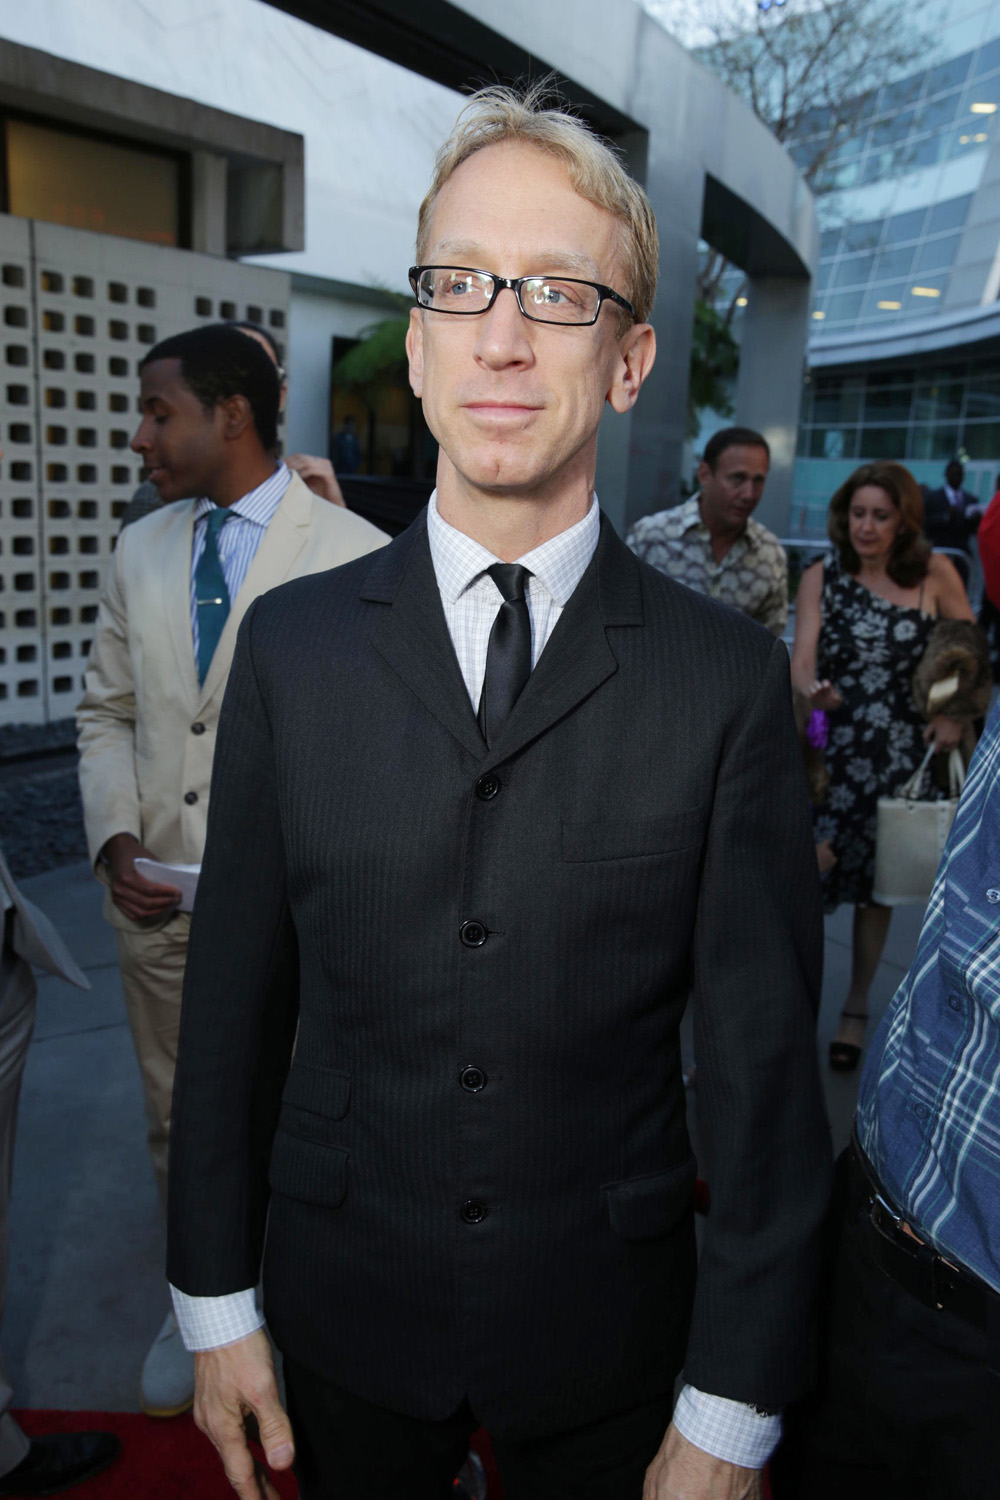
point(348, 1449)
point(909, 1407)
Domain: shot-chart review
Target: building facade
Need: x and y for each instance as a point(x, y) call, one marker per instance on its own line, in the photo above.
point(906, 322)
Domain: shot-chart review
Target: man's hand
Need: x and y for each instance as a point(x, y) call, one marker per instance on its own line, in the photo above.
point(318, 475)
point(131, 892)
point(230, 1384)
point(680, 1471)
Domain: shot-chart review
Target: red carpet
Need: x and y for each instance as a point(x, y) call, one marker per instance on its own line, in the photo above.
point(171, 1460)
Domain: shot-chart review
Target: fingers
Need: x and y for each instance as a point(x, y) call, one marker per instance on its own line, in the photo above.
point(231, 1383)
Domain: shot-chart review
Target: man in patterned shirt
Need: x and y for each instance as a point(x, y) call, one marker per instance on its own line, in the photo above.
point(711, 542)
point(913, 1366)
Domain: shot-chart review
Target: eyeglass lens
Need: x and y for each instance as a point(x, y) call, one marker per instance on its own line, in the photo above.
point(547, 299)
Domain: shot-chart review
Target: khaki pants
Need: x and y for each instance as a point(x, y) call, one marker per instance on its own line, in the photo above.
point(152, 969)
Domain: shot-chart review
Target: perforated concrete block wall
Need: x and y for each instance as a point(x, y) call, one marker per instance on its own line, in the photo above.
point(79, 312)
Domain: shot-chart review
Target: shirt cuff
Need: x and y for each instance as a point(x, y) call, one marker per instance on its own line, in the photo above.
point(727, 1429)
point(211, 1322)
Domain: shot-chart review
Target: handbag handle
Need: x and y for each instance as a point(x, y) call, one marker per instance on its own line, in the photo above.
point(956, 775)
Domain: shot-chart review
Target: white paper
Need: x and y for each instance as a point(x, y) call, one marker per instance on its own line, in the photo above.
point(184, 877)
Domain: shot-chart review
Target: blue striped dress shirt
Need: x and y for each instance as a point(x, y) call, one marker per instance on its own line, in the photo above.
point(929, 1104)
point(239, 538)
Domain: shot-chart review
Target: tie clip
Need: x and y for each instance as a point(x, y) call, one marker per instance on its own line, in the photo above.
point(200, 602)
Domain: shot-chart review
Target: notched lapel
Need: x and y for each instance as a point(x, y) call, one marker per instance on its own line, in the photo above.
point(174, 568)
point(577, 658)
point(412, 635)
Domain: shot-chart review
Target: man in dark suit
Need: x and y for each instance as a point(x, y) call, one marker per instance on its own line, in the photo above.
point(485, 811)
point(951, 514)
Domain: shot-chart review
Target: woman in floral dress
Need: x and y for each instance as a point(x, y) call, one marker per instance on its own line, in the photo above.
point(863, 618)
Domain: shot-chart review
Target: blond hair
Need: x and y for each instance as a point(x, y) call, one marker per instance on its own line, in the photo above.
point(537, 116)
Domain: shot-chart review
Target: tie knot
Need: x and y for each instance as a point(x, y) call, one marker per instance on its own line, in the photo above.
point(217, 518)
point(510, 579)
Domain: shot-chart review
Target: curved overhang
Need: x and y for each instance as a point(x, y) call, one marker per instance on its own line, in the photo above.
point(710, 167)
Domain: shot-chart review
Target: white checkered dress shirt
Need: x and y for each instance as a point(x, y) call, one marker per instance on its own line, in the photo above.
point(471, 601)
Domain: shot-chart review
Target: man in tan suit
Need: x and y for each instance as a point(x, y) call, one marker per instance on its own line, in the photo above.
point(181, 580)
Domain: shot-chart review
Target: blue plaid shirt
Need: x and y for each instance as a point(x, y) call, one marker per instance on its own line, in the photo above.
point(929, 1104)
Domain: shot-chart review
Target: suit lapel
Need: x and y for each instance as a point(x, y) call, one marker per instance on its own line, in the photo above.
point(174, 569)
point(412, 636)
point(577, 657)
point(286, 534)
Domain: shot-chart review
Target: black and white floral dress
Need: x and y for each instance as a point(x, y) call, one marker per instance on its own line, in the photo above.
point(869, 649)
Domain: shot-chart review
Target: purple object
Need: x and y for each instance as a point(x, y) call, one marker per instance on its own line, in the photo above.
point(818, 729)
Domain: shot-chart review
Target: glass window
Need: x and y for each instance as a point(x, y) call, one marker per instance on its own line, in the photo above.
point(844, 307)
point(936, 403)
point(894, 263)
point(937, 255)
point(949, 215)
point(836, 401)
point(895, 96)
point(823, 275)
point(888, 403)
point(934, 442)
point(903, 227)
point(949, 75)
point(982, 439)
point(71, 179)
point(896, 128)
point(828, 242)
point(853, 270)
point(982, 94)
point(832, 442)
point(882, 442)
point(988, 59)
point(966, 139)
point(863, 236)
point(938, 113)
point(837, 175)
point(983, 399)
point(882, 297)
point(924, 295)
point(876, 166)
point(924, 152)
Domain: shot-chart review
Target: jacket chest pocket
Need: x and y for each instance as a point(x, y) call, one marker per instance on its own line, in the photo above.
point(632, 838)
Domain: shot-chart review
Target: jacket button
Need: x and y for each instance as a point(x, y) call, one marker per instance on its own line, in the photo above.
point(993, 896)
point(198, 727)
point(190, 798)
point(473, 1212)
point(487, 788)
point(473, 934)
point(472, 1079)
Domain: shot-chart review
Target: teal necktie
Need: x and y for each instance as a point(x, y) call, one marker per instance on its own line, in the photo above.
point(210, 592)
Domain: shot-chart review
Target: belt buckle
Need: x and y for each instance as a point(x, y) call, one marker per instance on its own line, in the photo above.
point(881, 1206)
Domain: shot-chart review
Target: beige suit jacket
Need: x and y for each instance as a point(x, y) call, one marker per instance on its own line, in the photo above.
point(146, 729)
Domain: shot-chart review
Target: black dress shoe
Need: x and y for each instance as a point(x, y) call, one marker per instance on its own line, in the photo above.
point(57, 1461)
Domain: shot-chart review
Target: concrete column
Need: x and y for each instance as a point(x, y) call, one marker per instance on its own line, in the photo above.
point(208, 202)
point(769, 387)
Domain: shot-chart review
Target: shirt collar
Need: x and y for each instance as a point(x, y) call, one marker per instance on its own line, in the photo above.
point(690, 513)
point(256, 505)
point(558, 564)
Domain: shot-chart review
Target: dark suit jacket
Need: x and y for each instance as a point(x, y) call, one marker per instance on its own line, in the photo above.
point(417, 906)
point(949, 526)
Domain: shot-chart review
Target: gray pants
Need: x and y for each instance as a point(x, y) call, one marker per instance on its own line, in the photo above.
point(17, 1020)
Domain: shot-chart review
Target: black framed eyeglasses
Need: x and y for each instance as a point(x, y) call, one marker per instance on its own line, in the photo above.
point(543, 299)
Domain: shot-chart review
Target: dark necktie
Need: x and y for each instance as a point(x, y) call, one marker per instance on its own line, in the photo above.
point(508, 655)
point(210, 592)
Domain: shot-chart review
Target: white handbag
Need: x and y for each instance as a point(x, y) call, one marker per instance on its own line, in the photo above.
point(911, 835)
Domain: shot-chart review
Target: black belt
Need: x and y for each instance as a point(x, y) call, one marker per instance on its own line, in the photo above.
point(912, 1265)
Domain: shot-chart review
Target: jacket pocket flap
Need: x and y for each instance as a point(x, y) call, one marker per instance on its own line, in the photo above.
point(322, 1091)
point(308, 1171)
point(626, 838)
point(643, 1208)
